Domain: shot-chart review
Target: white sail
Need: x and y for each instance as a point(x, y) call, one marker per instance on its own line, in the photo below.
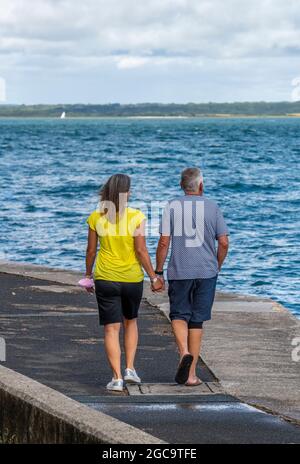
point(63, 115)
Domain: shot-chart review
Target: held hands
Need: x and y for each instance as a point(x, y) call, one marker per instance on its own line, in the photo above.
point(158, 284)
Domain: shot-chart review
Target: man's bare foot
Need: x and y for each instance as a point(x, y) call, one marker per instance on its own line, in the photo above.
point(193, 381)
point(182, 355)
point(183, 369)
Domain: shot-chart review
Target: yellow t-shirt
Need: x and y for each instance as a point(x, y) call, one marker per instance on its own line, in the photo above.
point(116, 259)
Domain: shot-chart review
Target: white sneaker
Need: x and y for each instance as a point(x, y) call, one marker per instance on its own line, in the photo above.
point(115, 385)
point(131, 376)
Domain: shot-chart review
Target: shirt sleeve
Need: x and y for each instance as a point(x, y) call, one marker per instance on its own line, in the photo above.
point(221, 226)
point(139, 218)
point(136, 221)
point(165, 221)
point(92, 219)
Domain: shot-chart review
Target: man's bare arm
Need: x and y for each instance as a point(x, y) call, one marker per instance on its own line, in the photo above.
point(143, 256)
point(223, 246)
point(162, 252)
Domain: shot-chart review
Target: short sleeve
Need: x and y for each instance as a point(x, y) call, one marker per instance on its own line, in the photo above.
point(92, 220)
point(221, 226)
point(135, 221)
point(165, 222)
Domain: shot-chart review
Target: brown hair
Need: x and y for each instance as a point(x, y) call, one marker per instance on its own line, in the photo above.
point(111, 190)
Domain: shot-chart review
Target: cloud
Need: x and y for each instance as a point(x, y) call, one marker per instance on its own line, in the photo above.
point(130, 35)
point(207, 28)
point(128, 62)
point(131, 62)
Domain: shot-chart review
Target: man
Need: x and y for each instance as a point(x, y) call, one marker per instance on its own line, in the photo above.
point(192, 224)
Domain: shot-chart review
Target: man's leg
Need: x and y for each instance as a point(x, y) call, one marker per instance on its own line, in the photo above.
point(203, 298)
point(194, 347)
point(180, 330)
point(180, 314)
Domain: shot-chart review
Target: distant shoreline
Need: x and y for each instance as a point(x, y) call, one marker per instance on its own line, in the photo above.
point(202, 116)
point(155, 110)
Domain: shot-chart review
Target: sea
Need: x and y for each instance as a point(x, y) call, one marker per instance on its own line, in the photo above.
point(51, 172)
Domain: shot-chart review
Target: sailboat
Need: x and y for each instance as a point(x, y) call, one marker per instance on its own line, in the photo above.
point(63, 115)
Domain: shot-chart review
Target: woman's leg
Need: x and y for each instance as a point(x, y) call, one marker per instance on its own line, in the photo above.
point(112, 348)
point(130, 341)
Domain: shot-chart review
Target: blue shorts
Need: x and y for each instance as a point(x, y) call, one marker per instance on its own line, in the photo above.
point(191, 300)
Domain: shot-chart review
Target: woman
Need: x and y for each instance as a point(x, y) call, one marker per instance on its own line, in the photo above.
point(118, 273)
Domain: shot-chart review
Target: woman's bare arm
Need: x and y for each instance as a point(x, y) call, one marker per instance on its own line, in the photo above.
point(91, 252)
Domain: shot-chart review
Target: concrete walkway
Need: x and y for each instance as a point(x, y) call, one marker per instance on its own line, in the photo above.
point(248, 346)
point(52, 335)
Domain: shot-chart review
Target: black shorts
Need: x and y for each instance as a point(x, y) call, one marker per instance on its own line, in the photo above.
point(118, 300)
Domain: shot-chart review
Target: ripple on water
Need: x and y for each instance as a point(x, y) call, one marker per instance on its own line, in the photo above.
point(51, 174)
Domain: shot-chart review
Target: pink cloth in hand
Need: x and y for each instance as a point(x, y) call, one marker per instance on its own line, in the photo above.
point(86, 283)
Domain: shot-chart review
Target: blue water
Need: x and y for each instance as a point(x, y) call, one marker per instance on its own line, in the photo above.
point(51, 171)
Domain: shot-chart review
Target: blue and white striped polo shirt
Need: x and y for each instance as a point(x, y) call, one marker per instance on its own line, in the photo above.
point(194, 223)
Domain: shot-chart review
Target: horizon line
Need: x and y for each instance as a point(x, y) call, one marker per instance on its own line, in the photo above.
point(156, 103)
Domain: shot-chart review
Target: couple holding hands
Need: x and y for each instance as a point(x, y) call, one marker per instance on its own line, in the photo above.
point(191, 226)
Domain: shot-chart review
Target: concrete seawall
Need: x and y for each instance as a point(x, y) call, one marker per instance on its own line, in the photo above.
point(33, 413)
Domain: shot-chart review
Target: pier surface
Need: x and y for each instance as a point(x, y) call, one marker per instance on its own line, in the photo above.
point(248, 345)
point(52, 335)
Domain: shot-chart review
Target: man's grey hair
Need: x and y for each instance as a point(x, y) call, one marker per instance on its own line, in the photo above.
point(191, 178)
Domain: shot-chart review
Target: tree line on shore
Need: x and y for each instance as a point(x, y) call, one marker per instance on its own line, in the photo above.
point(153, 109)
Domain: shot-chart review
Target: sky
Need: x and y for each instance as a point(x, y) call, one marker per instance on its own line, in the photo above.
point(107, 51)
